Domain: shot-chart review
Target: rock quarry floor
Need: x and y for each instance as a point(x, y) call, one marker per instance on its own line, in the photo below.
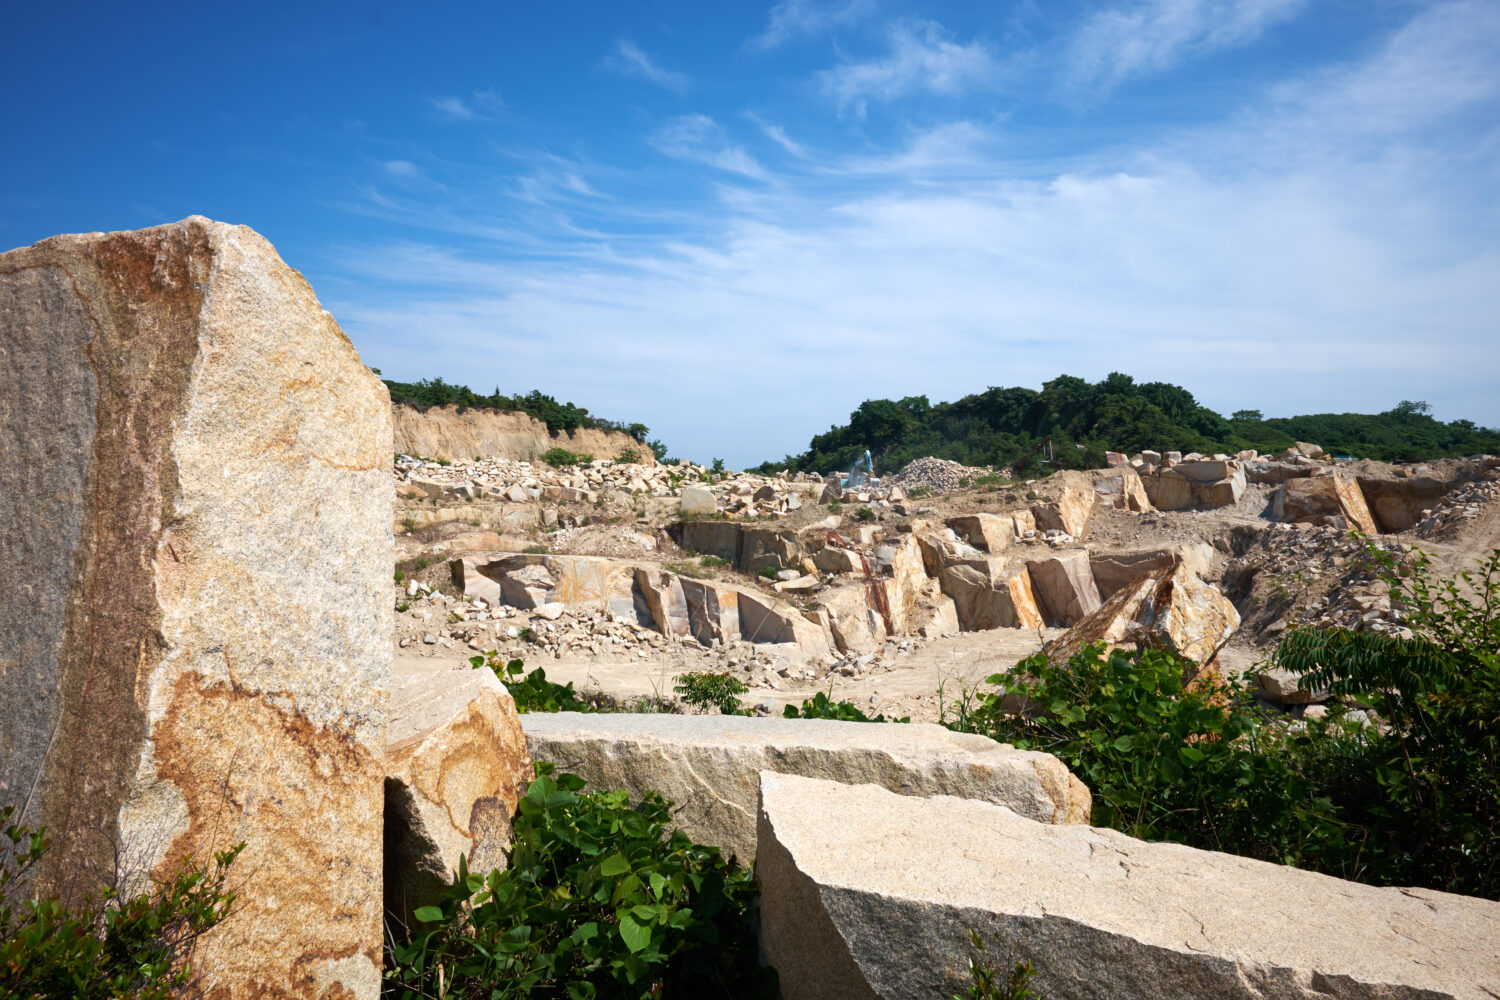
point(1278, 575)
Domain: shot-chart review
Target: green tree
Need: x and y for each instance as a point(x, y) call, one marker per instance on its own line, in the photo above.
point(1434, 814)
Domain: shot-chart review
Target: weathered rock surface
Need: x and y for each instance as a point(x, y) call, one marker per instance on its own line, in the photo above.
point(455, 765)
point(943, 548)
point(198, 651)
point(998, 596)
point(1170, 609)
point(1319, 499)
point(1116, 570)
point(1070, 511)
point(1169, 489)
point(1063, 584)
point(989, 532)
point(869, 894)
point(709, 765)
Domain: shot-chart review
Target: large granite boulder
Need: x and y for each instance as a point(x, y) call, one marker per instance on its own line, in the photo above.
point(1169, 609)
point(997, 596)
point(990, 532)
point(1063, 583)
point(1332, 499)
point(868, 894)
point(1070, 510)
point(195, 503)
point(455, 766)
point(709, 765)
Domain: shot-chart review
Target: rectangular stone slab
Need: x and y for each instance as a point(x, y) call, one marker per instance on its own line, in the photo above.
point(869, 894)
point(195, 513)
point(709, 765)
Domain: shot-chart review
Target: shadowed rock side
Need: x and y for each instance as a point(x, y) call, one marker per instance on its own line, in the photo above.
point(709, 765)
point(879, 902)
point(198, 652)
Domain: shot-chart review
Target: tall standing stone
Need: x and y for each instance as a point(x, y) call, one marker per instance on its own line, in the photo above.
point(195, 521)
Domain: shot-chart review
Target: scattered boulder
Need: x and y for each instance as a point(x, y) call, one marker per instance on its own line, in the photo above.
point(455, 765)
point(198, 650)
point(709, 765)
point(867, 894)
point(698, 501)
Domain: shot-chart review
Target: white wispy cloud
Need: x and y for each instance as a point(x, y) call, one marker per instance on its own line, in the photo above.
point(630, 60)
point(792, 19)
point(402, 168)
point(479, 106)
point(699, 138)
point(1340, 224)
point(924, 57)
point(1151, 36)
point(778, 135)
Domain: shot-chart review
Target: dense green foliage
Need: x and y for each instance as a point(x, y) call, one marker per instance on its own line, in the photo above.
point(1414, 800)
point(1431, 790)
point(820, 706)
point(138, 947)
point(1006, 427)
point(557, 416)
point(599, 901)
point(1165, 761)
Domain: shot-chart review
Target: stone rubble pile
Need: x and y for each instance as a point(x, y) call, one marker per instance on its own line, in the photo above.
point(700, 490)
point(937, 475)
point(1461, 505)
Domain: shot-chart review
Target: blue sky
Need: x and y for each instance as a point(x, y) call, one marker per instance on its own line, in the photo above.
point(735, 221)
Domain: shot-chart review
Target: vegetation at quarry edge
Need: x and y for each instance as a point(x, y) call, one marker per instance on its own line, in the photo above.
point(603, 898)
point(1009, 427)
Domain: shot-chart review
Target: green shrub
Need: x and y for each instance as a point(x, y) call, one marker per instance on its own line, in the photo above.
point(718, 465)
point(834, 506)
point(706, 689)
point(138, 947)
point(713, 562)
point(532, 692)
point(599, 901)
point(559, 457)
point(865, 514)
point(536, 550)
point(1426, 785)
point(820, 707)
point(1165, 762)
point(629, 456)
point(768, 572)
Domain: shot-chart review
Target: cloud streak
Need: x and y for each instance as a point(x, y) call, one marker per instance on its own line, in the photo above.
point(629, 60)
point(793, 19)
point(1151, 36)
point(924, 57)
point(700, 139)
